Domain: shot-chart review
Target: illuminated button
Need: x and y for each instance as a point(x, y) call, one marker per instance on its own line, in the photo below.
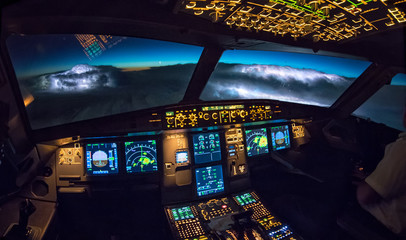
point(224, 206)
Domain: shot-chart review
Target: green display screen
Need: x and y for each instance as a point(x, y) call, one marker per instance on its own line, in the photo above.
point(182, 213)
point(245, 199)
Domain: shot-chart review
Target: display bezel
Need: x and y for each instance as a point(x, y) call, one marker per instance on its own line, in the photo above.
point(146, 139)
point(289, 135)
point(85, 147)
point(188, 162)
point(213, 194)
point(194, 152)
point(246, 142)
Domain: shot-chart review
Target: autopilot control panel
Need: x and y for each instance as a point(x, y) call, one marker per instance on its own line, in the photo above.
point(236, 216)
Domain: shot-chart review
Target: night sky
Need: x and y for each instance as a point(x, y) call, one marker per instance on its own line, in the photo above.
point(40, 54)
point(140, 73)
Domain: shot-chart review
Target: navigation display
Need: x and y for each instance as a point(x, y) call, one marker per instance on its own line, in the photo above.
point(141, 156)
point(280, 137)
point(245, 199)
point(206, 147)
point(209, 180)
point(257, 142)
point(182, 213)
point(101, 158)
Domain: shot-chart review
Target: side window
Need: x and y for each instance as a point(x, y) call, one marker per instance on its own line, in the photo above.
point(386, 105)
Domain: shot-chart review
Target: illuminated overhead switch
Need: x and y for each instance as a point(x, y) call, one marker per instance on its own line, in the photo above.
point(339, 15)
point(197, 13)
point(300, 2)
point(230, 22)
point(247, 9)
point(391, 23)
point(255, 20)
point(307, 18)
point(339, 2)
point(332, 20)
point(191, 5)
point(316, 38)
point(265, 13)
point(308, 28)
point(357, 20)
point(284, 18)
point(399, 15)
point(368, 28)
point(348, 35)
point(357, 26)
point(220, 6)
point(325, 10)
point(349, 7)
point(264, 22)
point(317, 19)
point(267, 29)
point(210, 6)
point(271, 4)
point(314, 5)
point(244, 18)
point(295, 12)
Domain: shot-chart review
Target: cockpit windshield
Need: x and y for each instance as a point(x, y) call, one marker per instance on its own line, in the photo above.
point(69, 78)
point(292, 77)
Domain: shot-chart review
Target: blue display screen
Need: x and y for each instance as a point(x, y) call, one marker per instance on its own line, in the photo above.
point(280, 137)
point(206, 147)
point(209, 180)
point(182, 158)
point(101, 159)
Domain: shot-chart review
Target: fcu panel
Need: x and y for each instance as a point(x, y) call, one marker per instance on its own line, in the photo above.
point(205, 116)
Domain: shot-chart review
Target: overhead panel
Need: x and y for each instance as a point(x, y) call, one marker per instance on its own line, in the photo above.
point(319, 20)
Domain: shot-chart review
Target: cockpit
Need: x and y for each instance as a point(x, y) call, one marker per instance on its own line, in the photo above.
point(196, 119)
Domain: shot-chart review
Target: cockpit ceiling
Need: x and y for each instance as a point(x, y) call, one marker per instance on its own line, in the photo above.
point(317, 20)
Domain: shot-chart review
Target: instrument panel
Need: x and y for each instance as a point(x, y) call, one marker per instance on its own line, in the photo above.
point(230, 217)
point(177, 155)
point(198, 171)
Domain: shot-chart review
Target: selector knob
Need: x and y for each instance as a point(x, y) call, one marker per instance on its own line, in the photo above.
point(202, 206)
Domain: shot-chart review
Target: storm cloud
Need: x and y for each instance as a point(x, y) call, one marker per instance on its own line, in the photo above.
point(86, 92)
point(284, 83)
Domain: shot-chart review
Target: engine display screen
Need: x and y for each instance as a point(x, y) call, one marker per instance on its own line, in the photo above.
point(206, 147)
point(257, 142)
point(280, 137)
point(209, 180)
point(141, 156)
point(101, 158)
point(245, 199)
point(182, 213)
